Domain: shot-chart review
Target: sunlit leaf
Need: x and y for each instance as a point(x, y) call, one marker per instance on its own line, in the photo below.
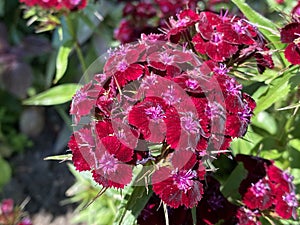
point(59, 157)
point(290, 107)
point(246, 144)
point(265, 121)
point(53, 96)
point(278, 90)
point(295, 143)
point(270, 154)
point(62, 60)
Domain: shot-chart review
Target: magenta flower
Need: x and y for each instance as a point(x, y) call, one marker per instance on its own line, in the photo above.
point(247, 217)
point(268, 188)
point(259, 195)
point(212, 40)
point(181, 188)
point(25, 221)
point(7, 206)
point(84, 100)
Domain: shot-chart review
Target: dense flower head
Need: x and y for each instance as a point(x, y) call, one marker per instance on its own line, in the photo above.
point(57, 4)
point(157, 103)
point(268, 188)
point(222, 38)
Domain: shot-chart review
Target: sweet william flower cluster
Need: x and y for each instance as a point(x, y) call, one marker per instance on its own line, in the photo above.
point(168, 103)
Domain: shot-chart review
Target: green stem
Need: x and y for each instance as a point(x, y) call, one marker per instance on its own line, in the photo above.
point(64, 116)
point(80, 57)
point(76, 44)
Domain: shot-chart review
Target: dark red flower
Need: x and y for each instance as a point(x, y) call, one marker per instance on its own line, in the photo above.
point(82, 145)
point(180, 185)
point(296, 12)
point(286, 205)
point(290, 34)
point(170, 8)
point(259, 195)
point(125, 32)
point(256, 168)
point(144, 10)
point(247, 217)
point(185, 19)
point(214, 207)
point(84, 100)
point(153, 213)
point(284, 191)
point(110, 172)
point(268, 187)
point(281, 180)
point(215, 47)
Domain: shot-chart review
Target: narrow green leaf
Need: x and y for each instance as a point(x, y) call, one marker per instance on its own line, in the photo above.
point(62, 60)
point(59, 157)
point(265, 121)
point(295, 143)
point(5, 172)
point(194, 215)
point(137, 200)
point(290, 107)
point(53, 96)
point(278, 89)
point(231, 186)
point(2, 8)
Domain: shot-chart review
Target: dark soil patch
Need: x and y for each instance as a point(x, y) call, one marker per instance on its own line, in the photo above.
point(44, 182)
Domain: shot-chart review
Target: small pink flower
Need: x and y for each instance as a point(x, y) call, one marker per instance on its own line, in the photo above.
point(7, 206)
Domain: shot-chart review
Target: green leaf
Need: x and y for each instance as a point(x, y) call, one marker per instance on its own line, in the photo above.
point(278, 89)
point(245, 145)
point(137, 200)
point(194, 215)
point(266, 27)
point(231, 186)
point(53, 96)
point(295, 143)
point(62, 60)
point(59, 157)
point(5, 172)
point(290, 107)
point(2, 8)
point(265, 121)
point(270, 154)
